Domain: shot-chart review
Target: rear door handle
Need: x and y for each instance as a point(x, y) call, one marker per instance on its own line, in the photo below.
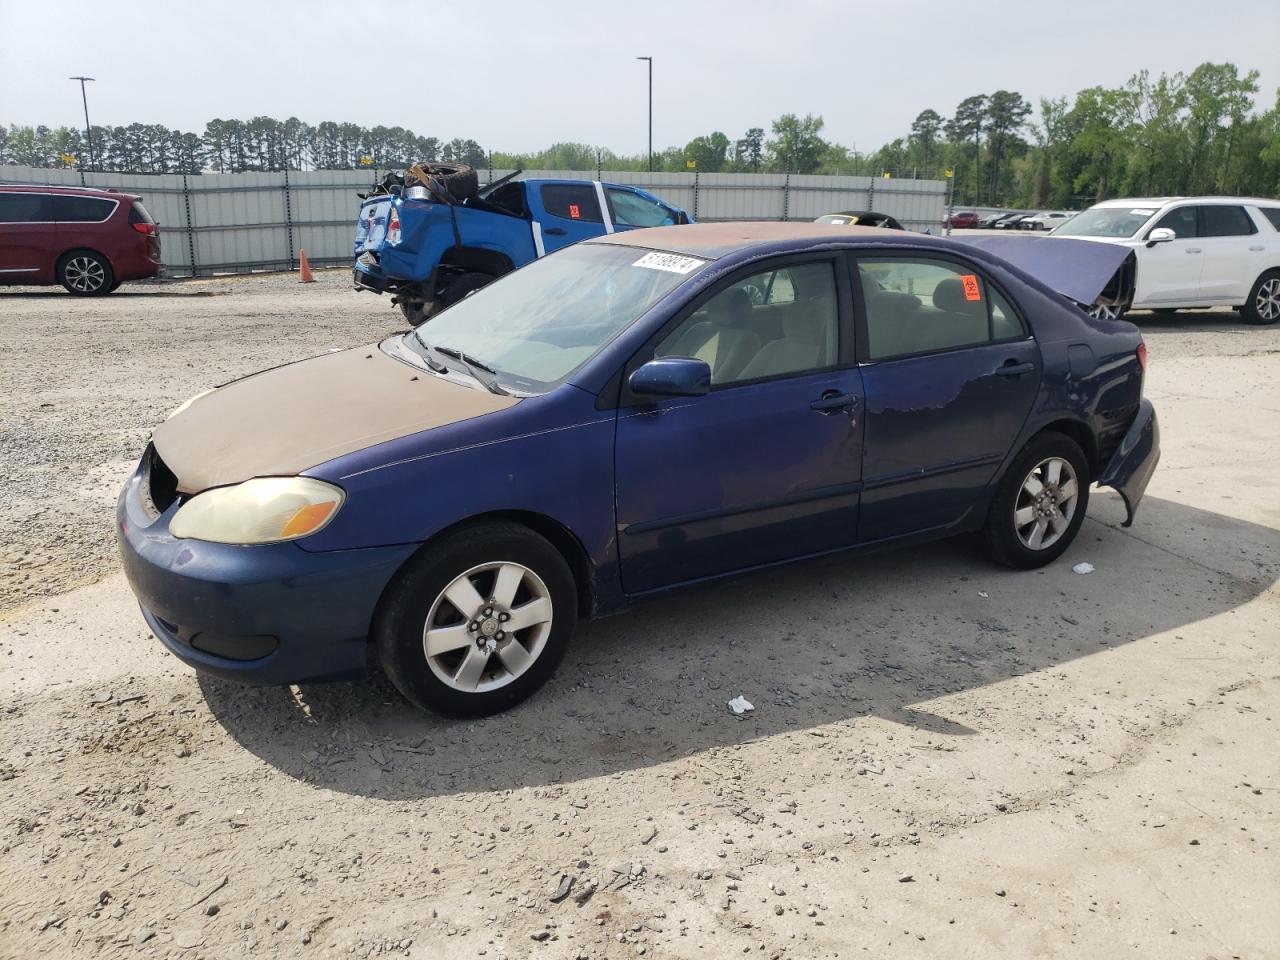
point(831, 401)
point(1015, 369)
point(1193, 249)
point(556, 231)
point(1256, 249)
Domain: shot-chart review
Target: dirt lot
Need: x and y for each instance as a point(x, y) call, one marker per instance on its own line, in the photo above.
point(946, 759)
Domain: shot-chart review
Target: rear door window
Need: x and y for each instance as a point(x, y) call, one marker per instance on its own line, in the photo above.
point(572, 201)
point(915, 306)
point(70, 209)
point(24, 208)
point(1223, 220)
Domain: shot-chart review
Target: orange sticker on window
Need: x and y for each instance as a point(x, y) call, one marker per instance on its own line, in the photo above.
point(574, 212)
point(971, 289)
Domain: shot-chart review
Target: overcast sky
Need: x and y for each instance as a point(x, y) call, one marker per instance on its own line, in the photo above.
point(520, 76)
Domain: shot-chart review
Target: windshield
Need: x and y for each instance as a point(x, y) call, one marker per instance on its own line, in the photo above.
point(537, 325)
point(1117, 222)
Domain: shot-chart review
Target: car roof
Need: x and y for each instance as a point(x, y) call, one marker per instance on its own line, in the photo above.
point(61, 188)
point(1161, 201)
point(714, 240)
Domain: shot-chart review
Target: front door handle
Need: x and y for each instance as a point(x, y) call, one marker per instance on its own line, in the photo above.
point(1193, 249)
point(831, 402)
point(556, 231)
point(1256, 249)
point(1014, 369)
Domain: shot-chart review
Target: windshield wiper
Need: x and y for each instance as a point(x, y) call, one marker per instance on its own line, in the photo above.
point(475, 368)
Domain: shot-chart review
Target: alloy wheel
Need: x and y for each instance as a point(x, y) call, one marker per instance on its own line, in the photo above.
point(1267, 302)
point(1046, 503)
point(85, 274)
point(487, 627)
point(1106, 311)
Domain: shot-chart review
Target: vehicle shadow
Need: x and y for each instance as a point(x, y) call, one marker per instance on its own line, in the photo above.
point(49, 293)
point(817, 643)
point(1184, 321)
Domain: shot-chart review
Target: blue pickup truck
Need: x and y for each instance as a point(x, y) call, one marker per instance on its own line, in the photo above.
point(429, 248)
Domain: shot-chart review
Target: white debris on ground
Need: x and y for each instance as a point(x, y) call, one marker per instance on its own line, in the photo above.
point(740, 705)
point(1083, 567)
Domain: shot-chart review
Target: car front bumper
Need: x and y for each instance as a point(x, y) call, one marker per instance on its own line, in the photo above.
point(1132, 465)
point(265, 614)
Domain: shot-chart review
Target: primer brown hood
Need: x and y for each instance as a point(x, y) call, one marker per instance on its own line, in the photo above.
point(282, 421)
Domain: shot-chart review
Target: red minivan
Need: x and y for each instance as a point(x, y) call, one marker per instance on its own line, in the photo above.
point(88, 240)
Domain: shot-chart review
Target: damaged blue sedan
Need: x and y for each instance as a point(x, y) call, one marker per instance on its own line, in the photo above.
point(631, 414)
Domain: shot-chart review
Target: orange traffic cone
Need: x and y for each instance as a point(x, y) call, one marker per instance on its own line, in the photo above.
point(304, 269)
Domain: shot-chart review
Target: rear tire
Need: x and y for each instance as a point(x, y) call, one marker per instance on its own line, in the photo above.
point(85, 274)
point(418, 313)
point(1263, 305)
point(1040, 503)
point(446, 629)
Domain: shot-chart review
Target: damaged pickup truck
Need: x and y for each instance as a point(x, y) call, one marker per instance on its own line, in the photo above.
point(431, 236)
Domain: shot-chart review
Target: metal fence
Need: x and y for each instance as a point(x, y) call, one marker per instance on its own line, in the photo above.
point(242, 222)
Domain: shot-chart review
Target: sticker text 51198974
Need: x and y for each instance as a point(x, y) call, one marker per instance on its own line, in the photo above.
point(671, 262)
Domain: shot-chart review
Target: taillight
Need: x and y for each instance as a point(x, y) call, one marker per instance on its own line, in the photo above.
point(146, 229)
point(1142, 356)
point(393, 226)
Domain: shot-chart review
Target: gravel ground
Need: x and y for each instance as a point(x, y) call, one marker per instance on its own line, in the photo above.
point(945, 759)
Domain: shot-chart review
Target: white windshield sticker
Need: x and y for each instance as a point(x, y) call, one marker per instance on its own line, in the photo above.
point(671, 262)
point(1140, 212)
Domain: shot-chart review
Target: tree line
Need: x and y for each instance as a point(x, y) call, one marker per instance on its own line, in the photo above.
point(1194, 133)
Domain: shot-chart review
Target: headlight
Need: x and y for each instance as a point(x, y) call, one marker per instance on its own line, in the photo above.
point(262, 510)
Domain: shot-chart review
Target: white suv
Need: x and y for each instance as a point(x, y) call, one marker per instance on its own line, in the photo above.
point(1194, 251)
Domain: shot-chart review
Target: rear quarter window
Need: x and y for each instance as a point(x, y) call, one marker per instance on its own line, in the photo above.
point(1272, 214)
point(24, 208)
point(67, 209)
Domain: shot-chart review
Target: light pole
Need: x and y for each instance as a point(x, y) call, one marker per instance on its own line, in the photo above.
point(87, 130)
point(650, 59)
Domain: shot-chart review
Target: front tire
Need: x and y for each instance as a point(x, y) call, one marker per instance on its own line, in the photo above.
point(1263, 305)
point(477, 621)
point(1040, 503)
point(85, 274)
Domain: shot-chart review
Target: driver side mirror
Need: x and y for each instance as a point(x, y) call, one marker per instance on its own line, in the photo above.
point(672, 377)
point(1160, 235)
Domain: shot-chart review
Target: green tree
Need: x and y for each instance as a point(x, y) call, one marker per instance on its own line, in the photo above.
point(1007, 113)
point(710, 153)
point(796, 145)
point(1104, 118)
point(967, 126)
point(926, 129)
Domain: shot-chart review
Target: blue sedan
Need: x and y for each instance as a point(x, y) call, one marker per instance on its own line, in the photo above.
point(631, 414)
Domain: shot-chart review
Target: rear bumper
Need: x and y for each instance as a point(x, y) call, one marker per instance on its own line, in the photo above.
point(369, 278)
point(269, 614)
point(1132, 465)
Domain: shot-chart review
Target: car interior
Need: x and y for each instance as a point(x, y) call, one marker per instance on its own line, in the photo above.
point(774, 323)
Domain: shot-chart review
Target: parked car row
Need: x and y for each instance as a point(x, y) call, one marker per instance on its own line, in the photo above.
point(88, 240)
point(1008, 220)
